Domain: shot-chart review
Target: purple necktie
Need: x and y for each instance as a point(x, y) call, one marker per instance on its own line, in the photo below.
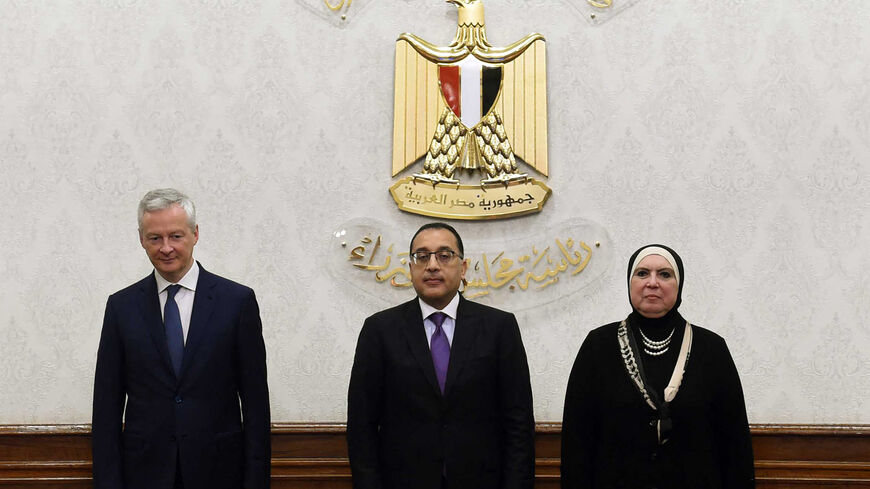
point(440, 349)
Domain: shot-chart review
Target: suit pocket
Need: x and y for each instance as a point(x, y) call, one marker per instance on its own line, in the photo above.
point(132, 442)
point(484, 361)
point(228, 462)
point(228, 442)
point(480, 374)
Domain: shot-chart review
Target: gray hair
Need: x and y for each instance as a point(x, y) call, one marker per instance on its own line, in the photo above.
point(164, 198)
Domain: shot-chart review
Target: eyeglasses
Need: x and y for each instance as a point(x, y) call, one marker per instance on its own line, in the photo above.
point(443, 256)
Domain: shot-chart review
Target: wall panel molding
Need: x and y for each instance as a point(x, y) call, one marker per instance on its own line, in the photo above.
point(314, 455)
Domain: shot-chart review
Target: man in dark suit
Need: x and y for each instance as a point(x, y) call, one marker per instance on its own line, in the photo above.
point(182, 359)
point(439, 393)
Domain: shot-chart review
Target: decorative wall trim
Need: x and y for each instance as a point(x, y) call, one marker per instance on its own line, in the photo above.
point(314, 455)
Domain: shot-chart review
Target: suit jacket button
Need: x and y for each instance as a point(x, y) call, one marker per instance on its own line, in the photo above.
point(178, 399)
point(172, 438)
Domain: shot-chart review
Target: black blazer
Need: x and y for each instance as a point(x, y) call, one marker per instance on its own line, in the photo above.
point(403, 433)
point(195, 419)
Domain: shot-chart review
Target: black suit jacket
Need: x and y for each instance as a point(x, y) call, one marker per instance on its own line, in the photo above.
point(196, 419)
point(403, 433)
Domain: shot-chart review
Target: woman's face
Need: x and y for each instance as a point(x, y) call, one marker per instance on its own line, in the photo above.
point(653, 287)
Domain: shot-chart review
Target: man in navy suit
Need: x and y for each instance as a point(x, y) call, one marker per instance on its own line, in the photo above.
point(439, 392)
point(180, 393)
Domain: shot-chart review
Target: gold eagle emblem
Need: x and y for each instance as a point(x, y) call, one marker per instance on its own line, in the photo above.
point(484, 125)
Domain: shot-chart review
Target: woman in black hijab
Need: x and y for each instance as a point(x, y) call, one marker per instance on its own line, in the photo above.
point(652, 401)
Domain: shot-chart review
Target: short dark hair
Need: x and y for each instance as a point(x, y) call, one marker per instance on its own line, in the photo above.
point(439, 225)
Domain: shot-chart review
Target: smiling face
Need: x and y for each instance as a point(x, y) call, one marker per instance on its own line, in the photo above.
point(168, 240)
point(653, 287)
point(437, 283)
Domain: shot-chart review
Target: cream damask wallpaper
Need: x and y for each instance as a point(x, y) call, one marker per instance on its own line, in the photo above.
point(736, 131)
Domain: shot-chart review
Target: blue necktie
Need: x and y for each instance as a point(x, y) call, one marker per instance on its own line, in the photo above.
point(440, 349)
point(172, 325)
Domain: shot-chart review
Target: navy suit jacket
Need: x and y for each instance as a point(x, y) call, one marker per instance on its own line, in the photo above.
point(403, 433)
point(196, 419)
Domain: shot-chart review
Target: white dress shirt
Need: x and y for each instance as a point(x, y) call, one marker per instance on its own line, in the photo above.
point(449, 324)
point(184, 296)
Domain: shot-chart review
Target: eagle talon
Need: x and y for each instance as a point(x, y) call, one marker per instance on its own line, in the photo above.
point(434, 178)
point(505, 179)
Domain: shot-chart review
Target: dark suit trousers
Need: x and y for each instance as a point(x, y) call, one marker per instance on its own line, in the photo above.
point(179, 483)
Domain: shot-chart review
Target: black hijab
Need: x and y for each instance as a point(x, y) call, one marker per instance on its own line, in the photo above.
point(657, 328)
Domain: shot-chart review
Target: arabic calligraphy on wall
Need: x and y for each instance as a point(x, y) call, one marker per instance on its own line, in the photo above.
point(541, 265)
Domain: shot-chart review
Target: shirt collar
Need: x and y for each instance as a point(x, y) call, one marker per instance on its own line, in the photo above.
point(449, 309)
point(188, 281)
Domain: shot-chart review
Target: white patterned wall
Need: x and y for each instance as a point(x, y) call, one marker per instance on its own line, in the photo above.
point(736, 131)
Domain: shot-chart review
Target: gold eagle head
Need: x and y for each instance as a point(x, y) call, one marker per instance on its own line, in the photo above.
point(470, 12)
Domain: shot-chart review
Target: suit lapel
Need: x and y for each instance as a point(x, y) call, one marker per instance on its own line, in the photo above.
point(463, 339)
point(415, 335)
point(203, 305)
point(149, 307)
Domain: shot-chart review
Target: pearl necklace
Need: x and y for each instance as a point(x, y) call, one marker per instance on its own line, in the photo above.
point(656, 348)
